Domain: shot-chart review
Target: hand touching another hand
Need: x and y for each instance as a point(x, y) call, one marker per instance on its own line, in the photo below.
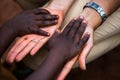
point(31, 43)
point(62, 48)
point(80, 58)
point(25, 23)
point(31, 21)
point(70, 41)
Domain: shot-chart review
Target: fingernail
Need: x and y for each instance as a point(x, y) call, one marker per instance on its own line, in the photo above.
point(84, 21)
point(73, 20)
point(81, 17)
point(10, 61)
point(87, 35)
point(17, 60)
point(83, 67)
point(31, 53)
point(55, 21)
point(56, 16)
point(48, 34)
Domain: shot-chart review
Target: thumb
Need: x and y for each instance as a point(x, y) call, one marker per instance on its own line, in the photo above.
point(84, 54)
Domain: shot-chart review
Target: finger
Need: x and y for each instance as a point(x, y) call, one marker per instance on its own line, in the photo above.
point(42, 32)
point(42, 41)
point(39, 31)
point(75, 27)
point(16, 51)
point(39, 11)
point(57, 32)
point(10, 53)
point(67, 69)
point(46, 23)
point(47, 17)
point(26, 50)
point(68, 27)
point(13, 48)
point(83, 40)
point(84, 53)
point(80, 31)
point(19, 45)
point(38, 46)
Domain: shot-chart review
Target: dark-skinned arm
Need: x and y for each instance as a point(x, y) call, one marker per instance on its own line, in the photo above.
point(26, 22)
point(63, 47)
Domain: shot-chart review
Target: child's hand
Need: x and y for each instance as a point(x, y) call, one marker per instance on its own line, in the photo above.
point(31, 21)
point(70, 41)
point(31, 43)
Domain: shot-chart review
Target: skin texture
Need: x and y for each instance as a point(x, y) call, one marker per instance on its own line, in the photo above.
point(23, 46)
point(31, 4)
point(39, 2)
point(26, 22)
point(62, 48)
point(32, 21)
point(93, 21)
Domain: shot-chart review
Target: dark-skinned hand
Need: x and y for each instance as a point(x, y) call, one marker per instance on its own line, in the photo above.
point(70, 41)
point(31, 21)
point(62, 47)
point(27, 22)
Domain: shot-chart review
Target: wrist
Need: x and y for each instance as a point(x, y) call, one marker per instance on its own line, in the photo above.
point(61, 5)
point(56, 8)
point(92, 17)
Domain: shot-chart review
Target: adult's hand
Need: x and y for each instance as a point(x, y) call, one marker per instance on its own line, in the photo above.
point(32, 43)
point(67, 42)
point(82, 57)
point(94, 20)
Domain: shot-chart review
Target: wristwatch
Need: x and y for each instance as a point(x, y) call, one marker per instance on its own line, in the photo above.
point(98, 8)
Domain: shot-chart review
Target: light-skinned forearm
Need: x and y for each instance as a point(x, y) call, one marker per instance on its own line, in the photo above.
point(62, 5)
point(93, 18)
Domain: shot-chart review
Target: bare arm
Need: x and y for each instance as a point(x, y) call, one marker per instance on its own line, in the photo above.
point(108, 5)
point(62, 5)
point(62, 47)
point(59, 7)
point(7, 35)
point(18, 26)
point(93, 18)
